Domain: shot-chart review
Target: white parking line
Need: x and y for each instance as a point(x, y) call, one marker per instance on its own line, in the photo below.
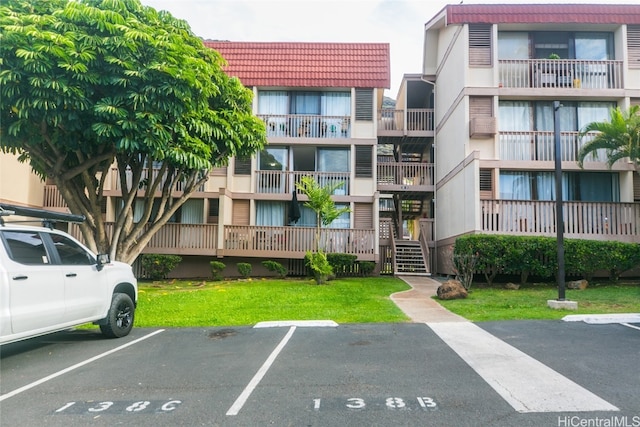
point(77, 365)
point(525, 383)
point(241, 400)
point(630, 326)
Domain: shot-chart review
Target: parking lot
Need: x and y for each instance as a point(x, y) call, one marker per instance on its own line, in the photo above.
point(323, 375)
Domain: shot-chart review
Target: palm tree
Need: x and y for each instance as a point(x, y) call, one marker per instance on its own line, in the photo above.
point(620, 137)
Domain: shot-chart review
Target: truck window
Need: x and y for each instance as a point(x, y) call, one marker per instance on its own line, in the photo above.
point(25, 247)
point(70, 252)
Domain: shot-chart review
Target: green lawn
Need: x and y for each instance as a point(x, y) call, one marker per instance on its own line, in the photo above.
point(183, 303)
point(246, 302)
point(530, 302)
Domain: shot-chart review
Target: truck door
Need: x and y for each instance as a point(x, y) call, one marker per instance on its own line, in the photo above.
point(86, 293)
point(36, 286)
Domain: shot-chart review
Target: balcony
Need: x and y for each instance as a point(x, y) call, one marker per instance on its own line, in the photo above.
point(413, 121)
point(586, 220)
point(148, 176)
point(283, 182)
point(254, 241)
point(540, 146)
point(560, 73)
point(306, 126)
point(405, 176)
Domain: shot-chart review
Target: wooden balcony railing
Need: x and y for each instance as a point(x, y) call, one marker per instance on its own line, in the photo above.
point(279, 182)
point(560, 73)
point(244, 240)
point(405, 174)
point(146, 177)
point(307, 126)
point(619, 221)
point(253, 241)
point(415, 119)
point(52, 198)
point(540, 145)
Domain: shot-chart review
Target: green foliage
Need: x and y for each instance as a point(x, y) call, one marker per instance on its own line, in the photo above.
point(216, 269)
point(341, 263)
point(275, 267)
point(320, 202)
point(319, 266)
point(244, 268)
point(366, 267)
point(537, 256)
point(89, 83)
point(619, 137)
point(157, 266)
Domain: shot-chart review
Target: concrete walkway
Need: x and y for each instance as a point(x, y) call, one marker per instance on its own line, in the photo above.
point(418, 304)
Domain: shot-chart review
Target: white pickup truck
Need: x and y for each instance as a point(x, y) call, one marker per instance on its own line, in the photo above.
point(50, 282)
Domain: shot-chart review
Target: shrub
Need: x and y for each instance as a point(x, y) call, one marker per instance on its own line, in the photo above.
point(244, 268)
point(157, 266)
point(216, 269)
point(341, 263)
point(366, 267)
point(275, 267)
point(319, 266)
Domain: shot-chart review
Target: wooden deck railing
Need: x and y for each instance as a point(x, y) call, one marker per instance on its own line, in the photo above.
point(560, 73)
point(146, 177)
point(277, 182)
point(405, 174)
point(540, 145)
point(253, 241)
point(307, 126)
point(53, 198)
point(619, 221)
point(415, 119)
point(245, 240)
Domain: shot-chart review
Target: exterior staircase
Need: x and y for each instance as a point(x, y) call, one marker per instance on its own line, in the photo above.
point(410, 258)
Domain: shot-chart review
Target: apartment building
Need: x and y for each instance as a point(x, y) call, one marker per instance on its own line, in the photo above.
point(497, 70)
point(322, 108)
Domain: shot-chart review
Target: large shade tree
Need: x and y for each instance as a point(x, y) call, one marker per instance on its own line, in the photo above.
point(86, 85)
point(619, 137)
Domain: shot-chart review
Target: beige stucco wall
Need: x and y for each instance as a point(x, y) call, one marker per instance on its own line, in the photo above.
point(18, 185)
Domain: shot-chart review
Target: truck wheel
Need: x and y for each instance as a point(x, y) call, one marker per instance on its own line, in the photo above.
point(119, 320)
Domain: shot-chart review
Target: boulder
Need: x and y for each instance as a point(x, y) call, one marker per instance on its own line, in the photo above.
point(451, 289)
point(577, 284)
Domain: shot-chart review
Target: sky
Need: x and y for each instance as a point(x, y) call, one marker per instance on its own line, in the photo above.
point(397, 22)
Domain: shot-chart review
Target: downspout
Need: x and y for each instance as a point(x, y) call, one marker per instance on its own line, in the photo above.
point(435, 187)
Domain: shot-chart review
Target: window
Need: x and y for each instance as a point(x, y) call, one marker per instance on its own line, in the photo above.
point(479, 44)
point(25, 247)
point(364, 161)
point(576, 186)
point(70, 252)
point(364, 104)
point(242, 165)
point(633, 45)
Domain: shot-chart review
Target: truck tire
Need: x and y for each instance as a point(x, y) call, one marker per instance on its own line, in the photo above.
point(119, 320)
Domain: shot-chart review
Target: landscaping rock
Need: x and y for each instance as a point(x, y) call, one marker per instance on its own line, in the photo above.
point(451, 289)
point(578, 284)
point(512, 286)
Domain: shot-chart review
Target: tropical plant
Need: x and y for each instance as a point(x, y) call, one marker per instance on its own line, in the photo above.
point(89, 85)
point(619, 137)
point(216, 269)
point(275, 267)
point(244, 268)
point(157, 266)
point(321, 203)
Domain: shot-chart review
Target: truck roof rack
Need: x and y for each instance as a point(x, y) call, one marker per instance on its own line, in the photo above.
point(48, 217)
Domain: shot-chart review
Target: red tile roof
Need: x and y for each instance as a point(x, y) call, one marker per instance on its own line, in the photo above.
point(365, 65)
point(543, 13)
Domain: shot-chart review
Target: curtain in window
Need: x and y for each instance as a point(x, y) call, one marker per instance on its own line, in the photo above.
point(343, 221)
point(333, 159)
point(546, 186)
point(305, 103)
point(515, 185)
point(307, 217)
point(589, 112)
point(515, 128)
point(270, 213)
point(273, 102)
point(193, 211)
point(335, 107)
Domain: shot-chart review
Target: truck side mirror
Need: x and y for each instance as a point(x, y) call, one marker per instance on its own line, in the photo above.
point(102, 260)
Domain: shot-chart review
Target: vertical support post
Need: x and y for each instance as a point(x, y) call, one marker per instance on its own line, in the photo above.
point(559, 214)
